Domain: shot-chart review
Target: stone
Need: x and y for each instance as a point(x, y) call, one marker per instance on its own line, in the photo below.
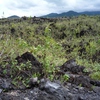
point(1, 90)
point(33, 82)
point(4, 84)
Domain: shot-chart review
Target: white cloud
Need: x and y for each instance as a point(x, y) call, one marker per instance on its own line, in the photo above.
point(81, 5)
point(42, 7)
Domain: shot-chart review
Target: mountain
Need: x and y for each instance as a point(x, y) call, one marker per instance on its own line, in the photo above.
point(13, 17)
point(71, 13)
point(91, 13)
point(51, 15)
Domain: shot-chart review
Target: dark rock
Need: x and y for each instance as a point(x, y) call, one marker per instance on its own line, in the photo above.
point(81, 98)
point(96, 90)
point(70, 95)
point(37, 66)
point(96, 56)
point(81, 33)
point(51, 91)
point(5, 84)
point(62, 36)
point(95, 83)
point(1, 90)
point(82, 81)
point(55, 90)
point(72, 67)
point(49, 85)
point(82, 51)
point(13, 30)
point(33, 82)
point(25, 57)
point(10, 97)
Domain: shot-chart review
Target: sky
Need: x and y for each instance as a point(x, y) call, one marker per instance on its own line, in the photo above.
point(43, 7)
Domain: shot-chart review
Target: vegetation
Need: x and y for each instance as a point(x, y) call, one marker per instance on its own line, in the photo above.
point(52, 42)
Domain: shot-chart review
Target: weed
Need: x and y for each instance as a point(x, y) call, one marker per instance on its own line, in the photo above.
point(65, 78)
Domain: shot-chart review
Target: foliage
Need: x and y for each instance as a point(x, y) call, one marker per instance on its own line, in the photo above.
point(65, 78)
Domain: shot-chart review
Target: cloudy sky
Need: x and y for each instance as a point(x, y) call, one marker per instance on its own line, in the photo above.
point(43, 7)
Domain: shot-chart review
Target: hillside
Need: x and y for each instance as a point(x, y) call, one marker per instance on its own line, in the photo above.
point(72, 13)
point(13, 17)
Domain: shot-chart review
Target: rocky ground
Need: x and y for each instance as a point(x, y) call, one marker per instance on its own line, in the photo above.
point(78, 87)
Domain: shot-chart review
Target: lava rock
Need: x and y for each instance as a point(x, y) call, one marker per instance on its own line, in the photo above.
point(71, 66)
point(1, 90)
point(96, 90)
point(95, 82)
point(82, 80)
point(5, 84)
point(27, 56)
point(54, 89)
point(33, 82)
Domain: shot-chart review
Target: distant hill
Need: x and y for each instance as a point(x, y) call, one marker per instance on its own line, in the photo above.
point(51, 15)
point(91, 13)
point(71, 13)
point(13, 17)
